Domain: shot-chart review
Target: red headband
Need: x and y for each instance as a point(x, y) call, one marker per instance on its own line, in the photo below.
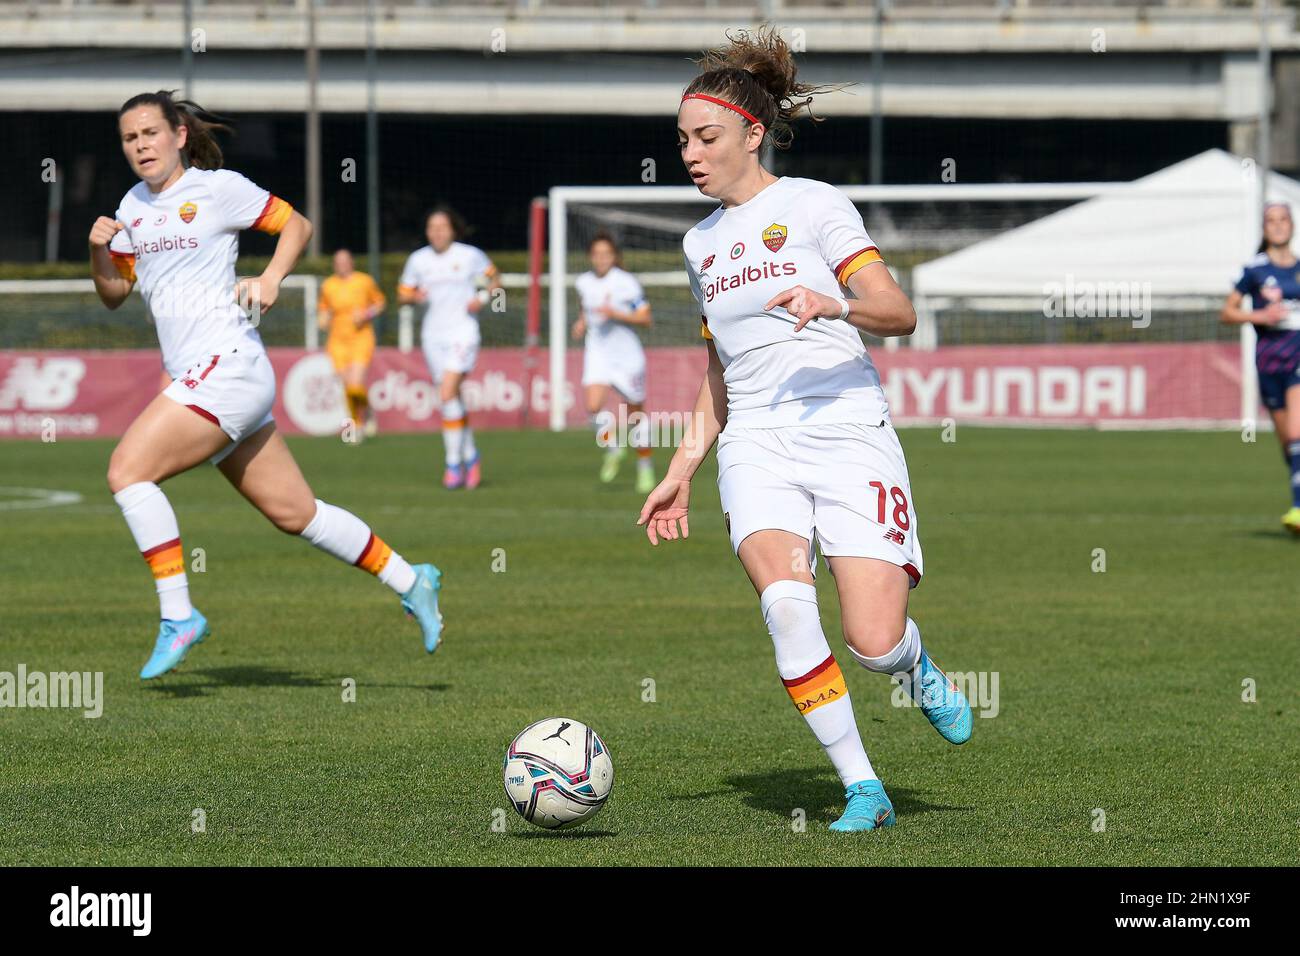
point(731, 106)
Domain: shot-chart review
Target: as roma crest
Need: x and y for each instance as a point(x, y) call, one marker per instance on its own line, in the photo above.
point(188, 212)
point(774, 236)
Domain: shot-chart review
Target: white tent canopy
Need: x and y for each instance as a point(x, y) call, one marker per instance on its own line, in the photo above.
point(1185, 230)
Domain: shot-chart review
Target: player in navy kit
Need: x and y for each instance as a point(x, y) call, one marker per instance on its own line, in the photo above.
point(1272, 280)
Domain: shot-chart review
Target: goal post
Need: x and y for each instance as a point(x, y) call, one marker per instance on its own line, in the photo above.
point(921, 230)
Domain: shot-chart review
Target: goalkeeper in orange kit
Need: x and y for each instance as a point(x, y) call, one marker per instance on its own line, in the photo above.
point(350, 301)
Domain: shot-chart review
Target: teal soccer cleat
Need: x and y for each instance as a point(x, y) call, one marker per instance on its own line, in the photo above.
point(421, 602)
point(175, 638)
point(868, 809)
point(942, 703)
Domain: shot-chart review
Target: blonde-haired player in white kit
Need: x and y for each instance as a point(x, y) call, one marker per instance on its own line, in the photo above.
point(611, 305)
point(453, 280)
point(805, 443)
point(176, 236)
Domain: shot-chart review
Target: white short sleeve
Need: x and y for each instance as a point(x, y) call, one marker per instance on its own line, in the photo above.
point(481, 263)
point(695, 283)
point(246, 204)
point(843, 240)
point(633, 294)
point(699, 298)
point(410, 273)
point(120, 244)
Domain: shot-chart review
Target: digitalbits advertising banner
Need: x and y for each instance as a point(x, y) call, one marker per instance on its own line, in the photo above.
point(99, 393)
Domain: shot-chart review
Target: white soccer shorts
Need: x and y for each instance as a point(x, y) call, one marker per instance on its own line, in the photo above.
point(450, 353)
point(625, 372)
point(845, 483)
point(234, 389)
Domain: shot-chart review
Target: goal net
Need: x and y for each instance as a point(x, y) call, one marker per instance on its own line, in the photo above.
point(67, 314)
point(1073, 304)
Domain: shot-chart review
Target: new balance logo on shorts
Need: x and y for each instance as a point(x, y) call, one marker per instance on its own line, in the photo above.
point(894, 535)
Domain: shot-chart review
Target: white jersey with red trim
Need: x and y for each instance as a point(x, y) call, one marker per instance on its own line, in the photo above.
point(794, 232)
point(448, 279)
point(180, 247)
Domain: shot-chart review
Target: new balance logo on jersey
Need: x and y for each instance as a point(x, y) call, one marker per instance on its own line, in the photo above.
point(704, 266)
point(768, 270)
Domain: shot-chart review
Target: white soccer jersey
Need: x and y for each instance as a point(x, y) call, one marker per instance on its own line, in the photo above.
point(794, 232)
point(617, 290)
point(447, 278)
point(180, 246)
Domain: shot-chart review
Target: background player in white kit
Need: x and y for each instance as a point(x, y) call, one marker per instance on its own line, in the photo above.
point(176, 235)
point(453, 281)
point(808, 447)
point(611, 304)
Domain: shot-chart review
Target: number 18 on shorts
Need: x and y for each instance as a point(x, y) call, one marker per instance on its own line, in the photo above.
point(846, 483)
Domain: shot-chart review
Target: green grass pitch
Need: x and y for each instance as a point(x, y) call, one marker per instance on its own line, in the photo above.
point(1119, 691)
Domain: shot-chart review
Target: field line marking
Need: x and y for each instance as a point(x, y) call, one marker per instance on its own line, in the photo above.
point(28, 498)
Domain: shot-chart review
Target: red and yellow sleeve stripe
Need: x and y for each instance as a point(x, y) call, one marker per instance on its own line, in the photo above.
point(124, 262)
point(824, 684)
point(407, 289)
point(274, 215)
point(704, 329)
point(855, 262)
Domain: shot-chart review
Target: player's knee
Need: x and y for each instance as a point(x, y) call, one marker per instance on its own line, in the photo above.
point(874, 637)
point(292, 518)
point(123, 472)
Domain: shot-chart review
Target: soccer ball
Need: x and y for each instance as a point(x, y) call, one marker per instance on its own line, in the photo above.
point(558, 773)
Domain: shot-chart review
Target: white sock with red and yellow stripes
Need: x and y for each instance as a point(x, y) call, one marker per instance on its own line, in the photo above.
point(453, 431)
point(812, 678)
point(639, 438)
point(348, 538)
point(152, 521)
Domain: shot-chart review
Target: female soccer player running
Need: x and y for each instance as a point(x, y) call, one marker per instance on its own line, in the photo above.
point(350, 301)
point(1270, 279)
point(611, 305)
point(454, 280)
point(806, 440)
point(176, 234)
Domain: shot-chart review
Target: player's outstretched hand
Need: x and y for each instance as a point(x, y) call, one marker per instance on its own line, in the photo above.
point(103, 231)
point(665, 508)
point(805, 305)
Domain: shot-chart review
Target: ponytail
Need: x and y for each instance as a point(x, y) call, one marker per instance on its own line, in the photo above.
point(757, 73)
point(201, 147)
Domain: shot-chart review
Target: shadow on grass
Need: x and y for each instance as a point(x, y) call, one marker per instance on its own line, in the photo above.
point(574, 834)
point(198, 683)
point(780, 791)
point(1281, 536)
